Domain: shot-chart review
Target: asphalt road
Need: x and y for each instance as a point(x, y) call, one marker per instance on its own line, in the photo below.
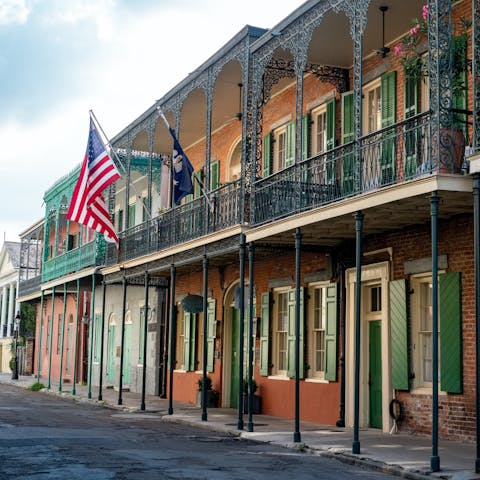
point(46, 437)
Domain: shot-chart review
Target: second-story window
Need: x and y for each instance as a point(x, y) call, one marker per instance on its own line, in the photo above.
point(319, 140)
point(372, 107)
point(279, 148)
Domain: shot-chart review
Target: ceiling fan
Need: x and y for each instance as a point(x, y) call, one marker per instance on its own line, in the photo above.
point(384, 51)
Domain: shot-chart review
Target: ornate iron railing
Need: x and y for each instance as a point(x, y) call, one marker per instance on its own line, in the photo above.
point(393, 155)
point(181, 224)
point(27, 287)
point(74, 260)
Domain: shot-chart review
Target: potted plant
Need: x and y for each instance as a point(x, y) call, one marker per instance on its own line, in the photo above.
point(212, 394)
point(256, 399)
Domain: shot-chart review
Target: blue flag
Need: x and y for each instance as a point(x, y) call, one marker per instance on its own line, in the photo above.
point(182, 172)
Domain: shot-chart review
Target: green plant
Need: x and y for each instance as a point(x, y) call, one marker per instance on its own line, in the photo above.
point(245, 386)
point(35, 387)
point(208, 383)
point(10, 363)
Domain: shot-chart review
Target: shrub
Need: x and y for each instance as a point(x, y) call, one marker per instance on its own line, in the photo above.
point(35, 387)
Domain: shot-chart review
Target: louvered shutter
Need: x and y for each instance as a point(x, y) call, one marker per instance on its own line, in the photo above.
point(265, 334)
point(331, 333)
point(399, 334)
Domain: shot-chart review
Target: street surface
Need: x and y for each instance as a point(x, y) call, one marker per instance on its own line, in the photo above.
point(46, 437)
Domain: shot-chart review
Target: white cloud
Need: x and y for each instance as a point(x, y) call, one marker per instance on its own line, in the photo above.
point(13, 11)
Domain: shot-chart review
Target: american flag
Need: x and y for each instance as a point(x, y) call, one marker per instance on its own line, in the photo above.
point(98, 171)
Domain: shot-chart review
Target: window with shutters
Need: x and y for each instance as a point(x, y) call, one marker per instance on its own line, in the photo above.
point(280, 333)
point(279, 148)
point(422, 330)
point(372, 107)
point(317, 324)
point(319, 131)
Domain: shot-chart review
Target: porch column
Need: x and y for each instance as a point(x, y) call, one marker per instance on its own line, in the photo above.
point(298, 247)
point(144, 346)
point(11, 304)
point(92, 336)
point(475, 76)
point(62, 336)
point(205, 344)
point(241, 306)
point(4, 311)
point(100, 370)
point(251, 336)
point(358, 314)
point(120, 375)
point(173, 333)
point(476, 252)
point(39, 363)
point(50, 333)
point(75, 354)
point(435, 459)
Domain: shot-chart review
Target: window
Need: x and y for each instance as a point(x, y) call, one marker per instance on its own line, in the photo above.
point(319, 131)
point(279, 148)
point(372, 107)
point(131, 215)
point(317, 320)
point(280, 333)
point(422, 330)
point(375, 299)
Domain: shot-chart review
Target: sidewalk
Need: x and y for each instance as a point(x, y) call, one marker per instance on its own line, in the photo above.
point(405, 455)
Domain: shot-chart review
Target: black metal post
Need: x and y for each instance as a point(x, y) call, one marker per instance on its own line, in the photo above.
point(120, 375)
point(173, 332)
point(144, 346)
point(75, 355)
point(435, 459)
point(100, 373)
point(251, 335)
point(241, 306)
point(298, 247)
point(205, 339)
point(476, 252)
point(358, 312)
point(16, 330)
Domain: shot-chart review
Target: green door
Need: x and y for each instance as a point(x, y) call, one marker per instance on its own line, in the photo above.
point(111, 354)
point(126, 353)
point(235, 356)
point(375, 374)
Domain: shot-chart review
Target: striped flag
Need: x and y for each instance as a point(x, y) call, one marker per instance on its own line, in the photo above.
point(98, 171)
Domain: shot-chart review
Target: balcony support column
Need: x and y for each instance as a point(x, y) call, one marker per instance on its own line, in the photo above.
point(435, 459)
point(476, 74)
point(173, 336)
point(40, 335)
point(358, 316)
point(205, 339)
point(476, 252)
point(241, 319)
point(102, 341)
point(126, 217)
point(251, 334)
point(124, 312)
point(77, 334)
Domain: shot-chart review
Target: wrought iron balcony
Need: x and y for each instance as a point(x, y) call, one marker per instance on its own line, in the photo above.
point(87, 255)
point(181, 224)
point(393, 155)
point(29, 286)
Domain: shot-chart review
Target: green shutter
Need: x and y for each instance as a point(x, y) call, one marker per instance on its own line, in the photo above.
point(389, 110)
point(196, 186)
point(331, 333)
point(290, 144)
point(331, 124)
point(411, 135)
point(451, 332)
point(347, 136)
point(265, 334)
point(131, 215)
point(399, 334)
point(291, 335)
point(211, 335)
point(193, 334)
point(214, 175)
point(305, 136)
point(267, 154)
point(187, 333)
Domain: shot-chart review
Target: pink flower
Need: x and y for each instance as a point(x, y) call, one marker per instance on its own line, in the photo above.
point(398, 50)
point(425, 12)
point(414, 30)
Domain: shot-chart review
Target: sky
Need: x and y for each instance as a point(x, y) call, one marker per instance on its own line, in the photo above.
point(61, 58)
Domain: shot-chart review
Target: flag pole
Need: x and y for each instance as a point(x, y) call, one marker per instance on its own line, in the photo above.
point(202, 185)
point(94, 118)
